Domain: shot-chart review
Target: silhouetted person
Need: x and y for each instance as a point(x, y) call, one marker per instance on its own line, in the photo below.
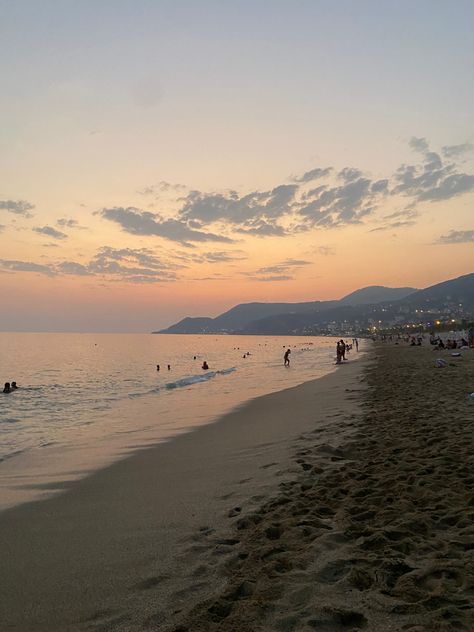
point(286, 357)
point(343, 348)
point(205, 366)
point(157, 367)
point(7, 388)
point(14, 386)
point(169, 367)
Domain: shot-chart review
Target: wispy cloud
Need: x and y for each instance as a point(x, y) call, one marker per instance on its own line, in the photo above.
point(274, 277)
point(26, 266)
point(398, 219)
point(314, 174)
point(162, 187)
point(456, 151)
point(50, 232)
point(278, 271)
point(434, 179)
point(457, 237)
point(126, 264)
point(325, 251)
point(18, 207)
point(137, 222)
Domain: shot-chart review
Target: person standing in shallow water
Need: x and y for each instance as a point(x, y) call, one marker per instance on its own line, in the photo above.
point(286, 357)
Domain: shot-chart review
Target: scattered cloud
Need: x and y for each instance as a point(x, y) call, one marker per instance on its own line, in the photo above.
point(162, 187)
point(65, 222)
point(349, 174)
point(222, 257)
point(137, 222)
point(282, 267)
point(457, 237)
point(25, 266)
point(18, 207)
point(276, 277)
point(434, 180)
point(418, 144)
point(398, 219)
point(50, 232)
point(134, 265)
point(253, 213)
point(126, 264)
point(72, 267)
point(349, 203)
point(325, 251)
point(314, 174)
point(456, 151)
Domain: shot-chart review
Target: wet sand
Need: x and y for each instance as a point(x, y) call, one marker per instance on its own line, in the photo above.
point(344, 504)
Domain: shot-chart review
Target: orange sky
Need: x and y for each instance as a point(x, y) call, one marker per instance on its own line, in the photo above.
point(188, 164)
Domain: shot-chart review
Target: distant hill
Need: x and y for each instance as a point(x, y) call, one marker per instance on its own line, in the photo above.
point(243, 317)
point(376, 294)
point(239, 317)
point(440, 301)
point(460, 291)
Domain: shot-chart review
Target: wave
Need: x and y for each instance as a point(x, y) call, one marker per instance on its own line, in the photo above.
point(186, 381)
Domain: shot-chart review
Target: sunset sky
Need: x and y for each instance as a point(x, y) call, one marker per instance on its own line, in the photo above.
point(169, 158)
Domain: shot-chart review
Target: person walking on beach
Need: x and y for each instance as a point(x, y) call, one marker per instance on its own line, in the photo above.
point(286, 357)
point(338, 352)
point(342, 345)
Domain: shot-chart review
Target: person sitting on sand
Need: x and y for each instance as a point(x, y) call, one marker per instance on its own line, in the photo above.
point(7, 388)
point(205, 365)
point(286, 357)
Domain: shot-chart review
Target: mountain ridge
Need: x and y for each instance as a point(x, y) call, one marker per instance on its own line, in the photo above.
point(238, 318)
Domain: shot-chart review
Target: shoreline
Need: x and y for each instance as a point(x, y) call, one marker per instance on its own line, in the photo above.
point(38, 473)
point(73, 555)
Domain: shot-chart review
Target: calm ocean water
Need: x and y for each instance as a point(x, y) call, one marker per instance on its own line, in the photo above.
point(85, 399)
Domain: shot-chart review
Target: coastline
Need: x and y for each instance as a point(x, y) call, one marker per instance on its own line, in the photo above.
point(72, 431)
point(95, 556)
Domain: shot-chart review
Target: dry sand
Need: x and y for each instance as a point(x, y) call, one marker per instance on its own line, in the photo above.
point(343, 504)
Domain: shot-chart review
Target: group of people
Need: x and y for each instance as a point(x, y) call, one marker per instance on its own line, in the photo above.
point(9, 388)
point(439, 343)
point(205, 366)
point(341, 349)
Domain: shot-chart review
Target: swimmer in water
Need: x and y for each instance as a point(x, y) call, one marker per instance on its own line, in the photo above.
point(7, 388)
point(205, 366)
point(157, 367)
point(14, 386)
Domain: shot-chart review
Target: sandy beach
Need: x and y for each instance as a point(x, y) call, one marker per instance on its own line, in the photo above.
point(345, 503)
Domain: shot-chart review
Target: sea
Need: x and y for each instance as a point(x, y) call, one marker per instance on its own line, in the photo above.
point(85, 400)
